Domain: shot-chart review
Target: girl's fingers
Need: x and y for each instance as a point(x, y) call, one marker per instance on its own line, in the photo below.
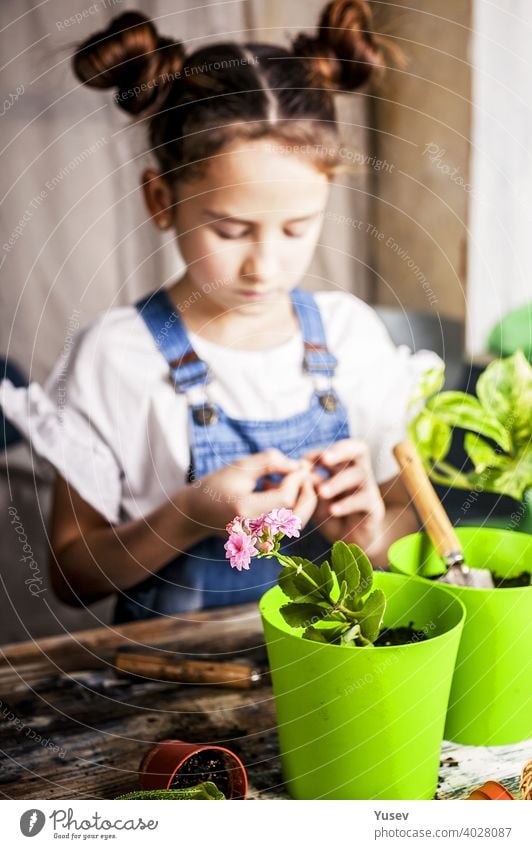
point(267, 462)
point(347, 479)
point(284, 495)
point(362, 501)
point(345, 450)
point(306, 501)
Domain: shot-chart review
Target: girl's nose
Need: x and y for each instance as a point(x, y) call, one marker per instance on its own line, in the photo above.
point(261, 263)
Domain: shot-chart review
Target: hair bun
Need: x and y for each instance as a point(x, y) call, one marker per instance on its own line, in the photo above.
point(345, 51)
point(130, 56)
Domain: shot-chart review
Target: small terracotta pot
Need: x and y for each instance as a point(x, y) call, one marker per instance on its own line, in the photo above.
point(161, 764)
point(491, 790)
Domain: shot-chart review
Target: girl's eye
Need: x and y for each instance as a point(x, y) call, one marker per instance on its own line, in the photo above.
point(231, 233)
point(297, 232)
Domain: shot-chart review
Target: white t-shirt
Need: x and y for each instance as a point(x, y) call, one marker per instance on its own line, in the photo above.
point(110, 421)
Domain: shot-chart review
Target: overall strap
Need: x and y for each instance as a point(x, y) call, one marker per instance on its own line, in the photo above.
point(317, 358)
point(171, 339)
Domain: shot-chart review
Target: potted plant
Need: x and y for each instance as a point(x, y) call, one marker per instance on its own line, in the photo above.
point(498, 433)
point(176, 765)
point(492, 685)
point(361, 666)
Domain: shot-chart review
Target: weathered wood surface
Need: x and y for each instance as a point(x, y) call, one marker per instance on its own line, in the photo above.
point(70, 727)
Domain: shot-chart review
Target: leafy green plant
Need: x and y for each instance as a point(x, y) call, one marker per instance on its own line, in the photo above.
point(206, 790)
point(333, 602)
point(501, 412)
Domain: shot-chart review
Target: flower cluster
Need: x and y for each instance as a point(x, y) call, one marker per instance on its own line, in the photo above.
point(255, 537)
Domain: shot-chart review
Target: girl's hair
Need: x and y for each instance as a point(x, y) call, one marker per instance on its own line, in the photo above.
point(196, 104)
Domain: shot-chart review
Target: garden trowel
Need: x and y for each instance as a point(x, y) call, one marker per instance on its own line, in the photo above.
point(436, 521)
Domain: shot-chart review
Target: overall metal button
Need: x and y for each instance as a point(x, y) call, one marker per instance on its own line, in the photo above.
point(328, 401)
point(205, 415)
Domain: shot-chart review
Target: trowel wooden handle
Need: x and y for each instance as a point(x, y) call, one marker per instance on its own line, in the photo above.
point(238, 676)
point(428, 505)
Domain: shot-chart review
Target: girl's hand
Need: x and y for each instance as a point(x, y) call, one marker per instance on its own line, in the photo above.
point(350, 506)
point(215, 499)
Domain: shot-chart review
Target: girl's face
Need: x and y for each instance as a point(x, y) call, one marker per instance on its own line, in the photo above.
point(247, 228)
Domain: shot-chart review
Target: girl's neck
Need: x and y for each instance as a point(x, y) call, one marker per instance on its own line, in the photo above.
point(244, 330)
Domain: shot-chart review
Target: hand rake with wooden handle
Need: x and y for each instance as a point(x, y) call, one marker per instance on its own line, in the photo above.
point(436, 521)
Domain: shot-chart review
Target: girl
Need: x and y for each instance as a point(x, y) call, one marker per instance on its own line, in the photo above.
point(233, 391)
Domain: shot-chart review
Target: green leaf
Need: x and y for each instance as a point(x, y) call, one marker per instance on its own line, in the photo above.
point(325, 635)
point(513, 479)
point(302, 615)
point(431, 436)
point(430, 382)
point(505, 391)
point(364, 567)
point(345, 566)
point(482, 454)
point(306, 581)
point(457, 409)
point(343, 592)
point(371, 615)
point(326, 577)
point(303, 581)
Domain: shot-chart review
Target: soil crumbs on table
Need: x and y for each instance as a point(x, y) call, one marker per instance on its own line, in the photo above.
point(400, 636)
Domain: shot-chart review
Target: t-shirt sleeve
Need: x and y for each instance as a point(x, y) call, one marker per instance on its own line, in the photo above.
point(66, 422)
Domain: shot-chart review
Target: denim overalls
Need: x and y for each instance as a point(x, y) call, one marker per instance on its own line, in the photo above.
point(202, 577)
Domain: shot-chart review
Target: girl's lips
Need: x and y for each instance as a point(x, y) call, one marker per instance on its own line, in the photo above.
point(252, 293)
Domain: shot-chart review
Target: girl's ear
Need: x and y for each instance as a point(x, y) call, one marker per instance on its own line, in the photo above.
point(158, 198)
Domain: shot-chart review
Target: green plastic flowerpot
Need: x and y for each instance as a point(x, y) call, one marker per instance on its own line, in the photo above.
point(491, 696)
point(365, 722)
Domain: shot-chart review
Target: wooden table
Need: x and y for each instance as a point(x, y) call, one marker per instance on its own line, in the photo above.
point(70, 727)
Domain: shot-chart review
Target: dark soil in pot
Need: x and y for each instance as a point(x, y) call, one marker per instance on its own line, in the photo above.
point(204, 766)
point(400, 636)
point(522, 580)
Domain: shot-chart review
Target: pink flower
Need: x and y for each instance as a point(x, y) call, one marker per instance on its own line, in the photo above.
point(257, 526)
point(238, 525)
point(284, 521)
point(240, 548)
point(266, 545)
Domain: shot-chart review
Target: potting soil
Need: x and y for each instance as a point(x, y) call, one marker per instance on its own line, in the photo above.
point(400, 636)
point(204, 766)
